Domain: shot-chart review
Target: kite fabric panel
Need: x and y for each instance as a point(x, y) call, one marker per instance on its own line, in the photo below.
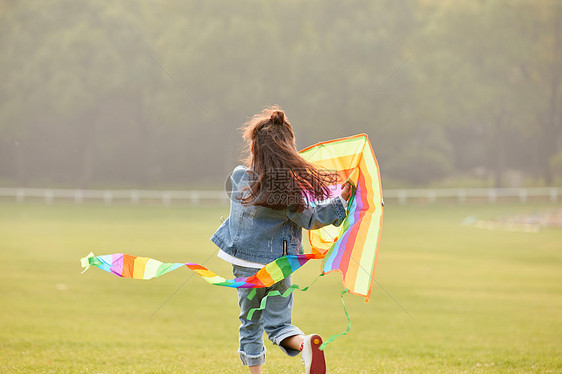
point(351, 248)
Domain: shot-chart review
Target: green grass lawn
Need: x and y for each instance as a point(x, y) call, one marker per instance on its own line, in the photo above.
point(483, 301)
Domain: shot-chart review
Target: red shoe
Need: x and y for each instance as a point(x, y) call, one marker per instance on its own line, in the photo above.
point(312, 356)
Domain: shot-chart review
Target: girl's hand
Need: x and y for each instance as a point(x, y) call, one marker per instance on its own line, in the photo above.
point(346, 191)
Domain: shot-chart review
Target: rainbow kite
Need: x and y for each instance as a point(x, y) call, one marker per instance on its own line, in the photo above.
point(351, 248)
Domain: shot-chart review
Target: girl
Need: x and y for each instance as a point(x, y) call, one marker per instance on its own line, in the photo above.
point(268, 208)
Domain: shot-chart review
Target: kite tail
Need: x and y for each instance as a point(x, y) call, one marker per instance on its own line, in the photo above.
point(285, 293)
point(89, 261)
point(334, 337)
point(288, 292)
point(263, 302)
point(128, 266)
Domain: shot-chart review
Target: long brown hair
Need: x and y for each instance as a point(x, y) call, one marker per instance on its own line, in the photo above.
point(280, 178)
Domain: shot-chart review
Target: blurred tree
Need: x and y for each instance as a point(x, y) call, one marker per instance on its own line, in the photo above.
point(493, 73)
point(75, 69)
point(542, 71)
point(475, 52)
point(151, 93)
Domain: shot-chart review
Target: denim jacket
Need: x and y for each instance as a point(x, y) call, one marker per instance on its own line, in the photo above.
point(259, 234)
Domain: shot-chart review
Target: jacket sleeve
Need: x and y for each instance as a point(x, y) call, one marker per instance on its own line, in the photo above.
point(327, 212)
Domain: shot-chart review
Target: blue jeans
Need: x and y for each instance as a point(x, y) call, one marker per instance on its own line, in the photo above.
point(275, 319)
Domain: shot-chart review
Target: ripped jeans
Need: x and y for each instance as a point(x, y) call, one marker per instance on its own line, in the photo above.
point(275, 319)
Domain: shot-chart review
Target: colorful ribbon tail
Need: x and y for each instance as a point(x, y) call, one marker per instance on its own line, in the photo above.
point(263, 302)
point(286, 293)
point(334, 337)
point(89, 261)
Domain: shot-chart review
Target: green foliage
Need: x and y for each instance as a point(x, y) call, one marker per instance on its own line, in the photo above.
point(556, 164)
point(420, 167)
point(139, 93)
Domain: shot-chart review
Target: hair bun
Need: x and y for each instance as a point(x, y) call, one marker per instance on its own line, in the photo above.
point(278, 117)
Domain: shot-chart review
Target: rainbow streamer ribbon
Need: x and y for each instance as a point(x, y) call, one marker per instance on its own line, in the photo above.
point(128, 266)
point(351, 248)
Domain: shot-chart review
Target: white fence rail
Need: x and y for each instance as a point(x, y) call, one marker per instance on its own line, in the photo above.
point(109, 196)
point(463, 195)
point(402, 196)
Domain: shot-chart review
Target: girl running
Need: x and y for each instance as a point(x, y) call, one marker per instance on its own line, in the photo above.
point(269, 207)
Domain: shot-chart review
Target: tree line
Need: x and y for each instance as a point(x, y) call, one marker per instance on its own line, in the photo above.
point(151, 93)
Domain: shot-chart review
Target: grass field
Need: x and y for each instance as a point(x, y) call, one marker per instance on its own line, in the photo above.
point(483, 301)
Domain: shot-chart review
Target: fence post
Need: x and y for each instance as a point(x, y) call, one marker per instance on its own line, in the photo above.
point(492, 195)
point(49, 197)
point(432, 196)
point(194, 197)
point(134, 197)
point(224, 199)
point(523, 195)
point(166, 198)
point(461, 193)
point(20, 195)
point(78, 196)
point(402, 197)
point(553, 195)
point(107, 196)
